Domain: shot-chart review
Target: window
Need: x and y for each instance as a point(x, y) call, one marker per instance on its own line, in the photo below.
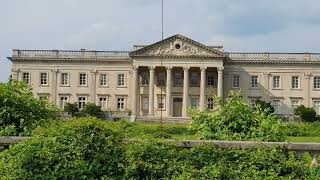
point(121, 81)
point(82, 79)
point(121, 103)
point(210, 79)
point(144, 79)
point(104, 79)
point(26, 77)
point(316, 106)
point(295, 103)
point(276, 81)
point(64, 79)
point(63, 101)
point(44, 78)
point(276, 103)
point(316, 82)
point(194, 79)
point(161, 79)
point(254, 81)
point(295, 82)
point(178, 79)
point(103, 103)
point(145, 103)
point(210, 103)
point(82, 102)
point(161, 102)
point(194, 102)
point(235, 81)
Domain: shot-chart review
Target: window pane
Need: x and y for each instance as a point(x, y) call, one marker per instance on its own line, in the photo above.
point(276, 82)
point(316, 82)
point(235, 81)
point(83, 79)
point(254, 81)
point(295, 82)
point(121, 80)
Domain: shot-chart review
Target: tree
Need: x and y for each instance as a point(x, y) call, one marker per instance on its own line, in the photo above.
point(71, 109)
point(19, 108)
point(236, 119)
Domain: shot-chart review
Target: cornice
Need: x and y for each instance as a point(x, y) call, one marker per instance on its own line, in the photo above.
point(270, 62)
point(41, 59)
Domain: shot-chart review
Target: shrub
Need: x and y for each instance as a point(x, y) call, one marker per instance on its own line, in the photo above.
point(305, 113)
point(92, 109)
point(157, 160)
point(71, 109)
point(265, 106)
point(236, 119)
point(19, 108)
point(76, 149)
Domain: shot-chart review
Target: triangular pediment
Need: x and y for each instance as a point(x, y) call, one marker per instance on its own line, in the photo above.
point(177, 46)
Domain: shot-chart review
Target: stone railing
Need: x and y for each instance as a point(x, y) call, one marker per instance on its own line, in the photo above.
point(68, 54)
point(299, 147)
point(273, 56)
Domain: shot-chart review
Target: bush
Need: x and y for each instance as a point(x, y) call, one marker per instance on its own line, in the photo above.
point(157, 160)
point(76, 149)
point(19, 108)
point(305, 113)
point(236, 119)
point(265, 106)
point(71, 109)
point(92, 109)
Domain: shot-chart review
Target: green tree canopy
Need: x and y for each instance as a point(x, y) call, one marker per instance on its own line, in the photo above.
point(19, 108)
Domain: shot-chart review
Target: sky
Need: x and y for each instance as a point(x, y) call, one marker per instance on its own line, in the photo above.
point(238, 25)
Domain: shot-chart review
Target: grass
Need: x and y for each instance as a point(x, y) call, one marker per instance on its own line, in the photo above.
point(303, 139)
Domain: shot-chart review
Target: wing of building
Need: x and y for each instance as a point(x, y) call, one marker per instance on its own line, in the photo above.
point(169, 76)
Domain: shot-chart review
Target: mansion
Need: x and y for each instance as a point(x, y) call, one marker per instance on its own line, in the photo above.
point(168, 77)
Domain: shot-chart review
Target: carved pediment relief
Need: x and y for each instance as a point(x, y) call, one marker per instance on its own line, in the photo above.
point(177, 46)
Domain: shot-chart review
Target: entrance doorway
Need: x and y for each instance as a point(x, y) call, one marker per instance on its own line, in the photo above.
point(177, 107)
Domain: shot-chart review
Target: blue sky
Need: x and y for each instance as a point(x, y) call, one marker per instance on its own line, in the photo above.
point(238, 25)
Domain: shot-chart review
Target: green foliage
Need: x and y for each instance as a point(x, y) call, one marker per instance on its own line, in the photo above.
point(302, 129)
point(71, 109)
point(75, 149)
point(92, 109)
point(236, 119)
point(265, 106)
point(156, 160)
point(20, 109)
point(305, 113)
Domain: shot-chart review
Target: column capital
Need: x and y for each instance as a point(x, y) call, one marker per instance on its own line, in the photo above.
point(93, 71)
point(135, 67)
point(151, 68)
point(55, 70)
point(186, 68)
point(307, 75)
point(203, 68)
point(169, 67)
point(15, 69)
point(220, 69)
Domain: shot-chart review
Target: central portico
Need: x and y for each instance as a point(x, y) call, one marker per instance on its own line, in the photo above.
point(185, 72)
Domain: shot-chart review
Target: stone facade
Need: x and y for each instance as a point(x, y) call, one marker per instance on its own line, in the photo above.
point(183, 72)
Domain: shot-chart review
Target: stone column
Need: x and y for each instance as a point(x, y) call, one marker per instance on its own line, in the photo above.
point(134, 90)
point(54, 85)
point(220, 82)
point(185, 91)
point(168, 91)
point(307, 93)
point(92, 86)
point(14, 74)
point(202, 87)
point(266, 88)
point(151, 91)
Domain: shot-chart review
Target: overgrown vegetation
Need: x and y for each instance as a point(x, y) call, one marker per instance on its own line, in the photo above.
point(78, 149)
point(92, 149)
point(237, 119)
point(20, 112)
point(305, 113)
point(265, 106)
point(91, 109)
